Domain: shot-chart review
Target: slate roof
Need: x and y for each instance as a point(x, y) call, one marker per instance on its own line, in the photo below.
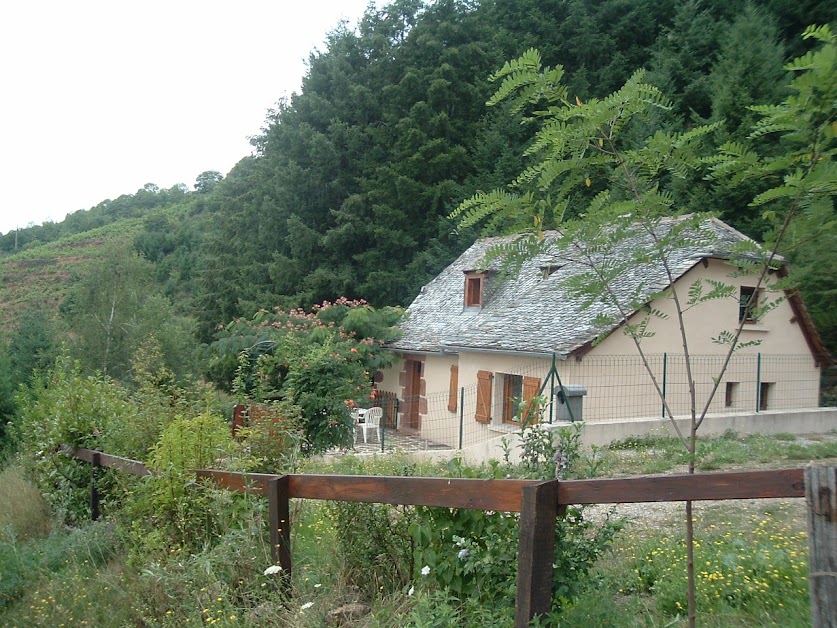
point(531, 313)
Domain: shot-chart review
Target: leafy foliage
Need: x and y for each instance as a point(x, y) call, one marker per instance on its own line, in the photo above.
point(316, 364)
point(472, 555)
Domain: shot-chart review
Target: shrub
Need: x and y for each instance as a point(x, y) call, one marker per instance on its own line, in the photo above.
point(67, 407)
point(178, 510)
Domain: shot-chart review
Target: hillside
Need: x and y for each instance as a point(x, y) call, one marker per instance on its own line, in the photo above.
point(354, 176)
point(40, 275)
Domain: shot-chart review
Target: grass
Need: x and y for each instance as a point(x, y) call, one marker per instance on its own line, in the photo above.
point(751, 571)
point(24, 515)
point(662, 454)
point(751, 556)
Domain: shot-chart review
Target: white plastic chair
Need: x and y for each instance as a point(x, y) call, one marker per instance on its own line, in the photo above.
point(372, 421)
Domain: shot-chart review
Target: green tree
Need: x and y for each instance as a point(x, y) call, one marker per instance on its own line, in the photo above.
point(580, 145)
point(114, 307)
point(207, 181)
point(749, 70)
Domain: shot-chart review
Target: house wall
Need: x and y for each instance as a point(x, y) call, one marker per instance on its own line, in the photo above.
point(434, 416)
point(778, 331)
point(617, 386)
point(793, 382)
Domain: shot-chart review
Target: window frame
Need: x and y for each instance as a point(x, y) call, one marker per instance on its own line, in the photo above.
point(746, 307)
point(474, 297)
point(730, 394)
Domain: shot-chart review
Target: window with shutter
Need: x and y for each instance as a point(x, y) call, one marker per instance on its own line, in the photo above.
point(484, 379)
point(453, 393)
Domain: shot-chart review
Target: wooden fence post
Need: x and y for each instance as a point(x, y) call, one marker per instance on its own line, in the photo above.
point(821, 497)
point(94, 492)
point(279, 518)
point(536, 551)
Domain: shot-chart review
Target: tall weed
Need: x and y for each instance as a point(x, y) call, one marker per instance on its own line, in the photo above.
point(25, 514)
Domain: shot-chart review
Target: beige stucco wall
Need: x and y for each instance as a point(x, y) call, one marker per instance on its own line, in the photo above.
point(794, 379)
point(777, 331)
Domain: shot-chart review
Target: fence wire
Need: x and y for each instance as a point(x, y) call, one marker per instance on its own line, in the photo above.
point(610, 388)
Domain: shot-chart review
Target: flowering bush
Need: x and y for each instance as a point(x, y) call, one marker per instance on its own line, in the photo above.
point(316, 364)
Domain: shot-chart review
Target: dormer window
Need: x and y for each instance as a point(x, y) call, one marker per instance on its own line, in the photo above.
point(548, 270)
point(474, 283)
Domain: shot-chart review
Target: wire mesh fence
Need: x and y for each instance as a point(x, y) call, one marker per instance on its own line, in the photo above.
point(600, 389)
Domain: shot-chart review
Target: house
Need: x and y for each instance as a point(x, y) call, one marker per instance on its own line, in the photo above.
point(477, 347)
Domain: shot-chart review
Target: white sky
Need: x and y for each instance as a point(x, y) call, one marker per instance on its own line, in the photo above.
point(100, 97)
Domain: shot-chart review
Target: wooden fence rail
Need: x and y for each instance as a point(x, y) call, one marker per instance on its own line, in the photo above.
point(538, 503)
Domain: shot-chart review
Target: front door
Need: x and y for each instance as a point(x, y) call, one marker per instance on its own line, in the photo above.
point(412, 418)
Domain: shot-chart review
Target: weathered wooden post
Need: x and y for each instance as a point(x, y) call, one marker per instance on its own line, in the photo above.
point(94, 492)
point(279, 518)
point(821, 497)
point(536, 551)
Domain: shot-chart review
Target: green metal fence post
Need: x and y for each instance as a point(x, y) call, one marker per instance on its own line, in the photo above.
point(461, 414)
point(758, 381)
point(552, 372)
point(665, 380)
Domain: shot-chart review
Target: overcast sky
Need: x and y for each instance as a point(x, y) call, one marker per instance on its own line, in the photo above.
point(100, 97)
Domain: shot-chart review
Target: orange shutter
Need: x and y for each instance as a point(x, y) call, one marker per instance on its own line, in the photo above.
point(483, 414)
point(531, 389)
point(453, 394)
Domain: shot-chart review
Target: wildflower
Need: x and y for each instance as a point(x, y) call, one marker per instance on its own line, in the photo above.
point(460, 541)
point(425, 570)
point(411, 591)
point(318, 585)
point(462, 553)
point(306, 606)
point(273, 569)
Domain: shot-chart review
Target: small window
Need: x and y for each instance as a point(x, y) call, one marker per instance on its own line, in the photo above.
point(764, 395)
point(512, 396)
point(748, 301)
point(548, 270)
point(729, 398)
point(474, 289)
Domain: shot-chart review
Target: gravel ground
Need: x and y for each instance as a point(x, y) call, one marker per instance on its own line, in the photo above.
point(672, 514)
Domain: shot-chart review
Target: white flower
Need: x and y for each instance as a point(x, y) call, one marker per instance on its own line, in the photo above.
point(306, 606)
point(318, 585)
point(463, 553)
point(489, 512)
point(460, 541)
point(411, 591)
point(425, 570)
point(273, 569)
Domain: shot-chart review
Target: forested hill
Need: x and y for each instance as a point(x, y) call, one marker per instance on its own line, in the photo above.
point(353, 177)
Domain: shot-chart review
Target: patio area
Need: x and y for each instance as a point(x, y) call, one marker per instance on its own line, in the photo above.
point(394, 440)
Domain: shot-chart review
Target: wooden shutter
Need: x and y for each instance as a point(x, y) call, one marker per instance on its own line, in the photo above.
point(531, 389)
point(453, 394)
point(483, 414)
